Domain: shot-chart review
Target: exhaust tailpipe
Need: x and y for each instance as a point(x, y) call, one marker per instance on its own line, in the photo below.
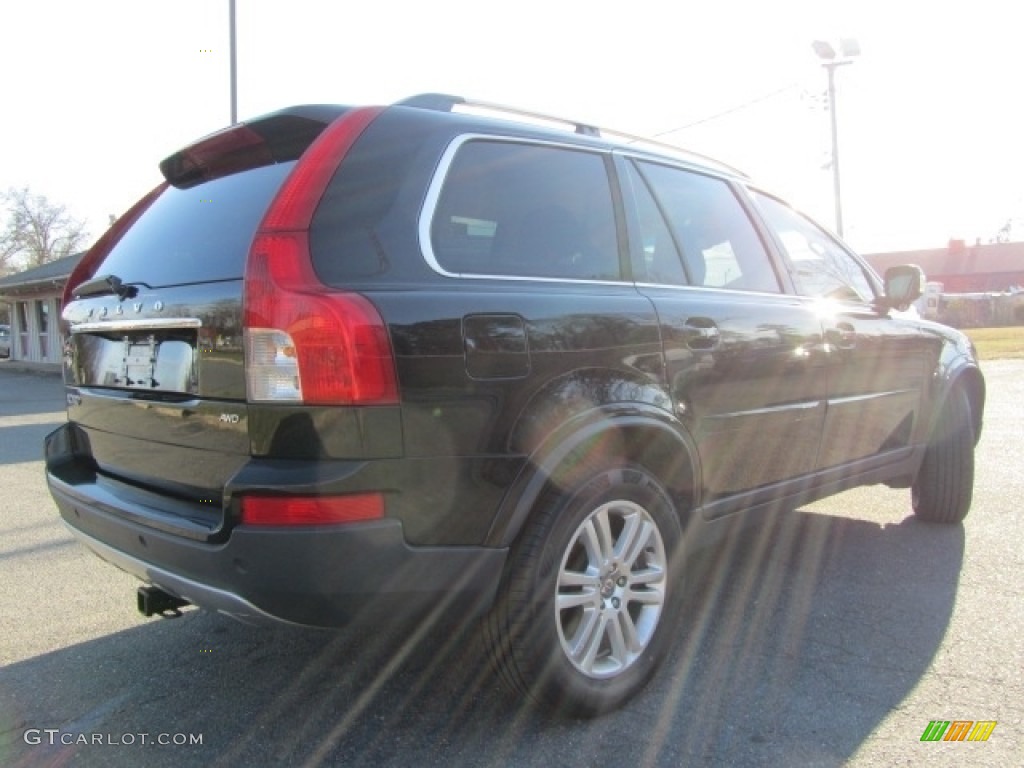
point(154, 601)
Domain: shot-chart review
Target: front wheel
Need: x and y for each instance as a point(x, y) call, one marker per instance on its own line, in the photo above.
point(944, 485)
point(589, 603)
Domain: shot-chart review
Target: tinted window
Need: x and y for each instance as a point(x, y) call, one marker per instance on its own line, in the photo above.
point(663, 263)
point(525, 210)
point(363, 224)
point(819, 265)
point(720, 247)
point(196, 234)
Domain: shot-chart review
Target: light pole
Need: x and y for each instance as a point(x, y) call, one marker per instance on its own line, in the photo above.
point(848, 49)
point(234, 65)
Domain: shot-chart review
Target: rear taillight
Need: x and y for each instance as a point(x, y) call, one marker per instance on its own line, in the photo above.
point(305, 342)
point(312, 510)
point(86, 268)
point(293, 206)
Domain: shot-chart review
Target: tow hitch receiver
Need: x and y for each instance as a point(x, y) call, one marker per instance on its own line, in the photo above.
point(153, 600)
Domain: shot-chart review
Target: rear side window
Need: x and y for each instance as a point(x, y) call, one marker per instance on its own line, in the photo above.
point(710, 230)
point(197, 234)
point(526, 210)
point(663, 262)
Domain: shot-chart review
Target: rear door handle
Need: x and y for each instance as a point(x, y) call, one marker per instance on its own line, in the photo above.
point(702, 333)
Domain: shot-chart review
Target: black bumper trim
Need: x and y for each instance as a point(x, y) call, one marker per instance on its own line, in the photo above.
point(325, 576)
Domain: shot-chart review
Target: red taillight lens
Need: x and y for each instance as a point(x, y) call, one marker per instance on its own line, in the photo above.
point(312, 510)
point(298, 197)
point(304, 342)
point(87, 266)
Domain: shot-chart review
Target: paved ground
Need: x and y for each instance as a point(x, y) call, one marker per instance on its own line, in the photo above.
point(831, 640)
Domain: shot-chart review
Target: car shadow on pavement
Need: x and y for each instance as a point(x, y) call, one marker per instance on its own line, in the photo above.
point(808, 632)
point(800, 638)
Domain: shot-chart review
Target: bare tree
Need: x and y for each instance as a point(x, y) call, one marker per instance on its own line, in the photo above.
point(1009, 230)
point(36, 231)
point(9, 247)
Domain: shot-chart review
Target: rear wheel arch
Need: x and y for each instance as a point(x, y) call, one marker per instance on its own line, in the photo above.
point(644, 440)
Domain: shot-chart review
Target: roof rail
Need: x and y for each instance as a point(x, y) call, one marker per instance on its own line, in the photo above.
point(445, 103)
point(442, 102)
point(685, 154)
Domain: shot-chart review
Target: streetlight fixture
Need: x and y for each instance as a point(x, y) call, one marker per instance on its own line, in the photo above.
point(848, 49)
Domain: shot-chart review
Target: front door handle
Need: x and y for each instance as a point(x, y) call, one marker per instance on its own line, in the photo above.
point(845, 335)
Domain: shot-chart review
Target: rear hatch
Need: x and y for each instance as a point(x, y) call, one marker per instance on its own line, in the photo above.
point(154, 359)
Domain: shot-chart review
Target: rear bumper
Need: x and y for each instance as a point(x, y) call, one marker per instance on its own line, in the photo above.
point(211, 598)
point(326, 576)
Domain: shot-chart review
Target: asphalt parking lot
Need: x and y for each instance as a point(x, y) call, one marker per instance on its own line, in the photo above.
point(833, 637)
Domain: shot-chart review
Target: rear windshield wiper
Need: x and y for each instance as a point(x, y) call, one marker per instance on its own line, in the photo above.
point(104, 284)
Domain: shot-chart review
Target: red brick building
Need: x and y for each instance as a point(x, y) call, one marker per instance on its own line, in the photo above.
point(979, 268)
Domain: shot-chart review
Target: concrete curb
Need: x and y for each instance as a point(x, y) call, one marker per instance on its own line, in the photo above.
point(22, 366)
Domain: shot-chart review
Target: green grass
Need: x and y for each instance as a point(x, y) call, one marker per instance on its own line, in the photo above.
point(998, 343)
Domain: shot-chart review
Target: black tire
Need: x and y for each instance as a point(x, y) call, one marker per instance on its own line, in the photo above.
point(944, 485)
point(560, 628)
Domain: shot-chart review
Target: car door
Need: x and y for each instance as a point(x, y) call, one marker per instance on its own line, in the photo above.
point(743, 359)
point(518, 320)
point(878, 363)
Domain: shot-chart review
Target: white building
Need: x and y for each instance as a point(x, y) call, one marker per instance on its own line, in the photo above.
point(34, 298)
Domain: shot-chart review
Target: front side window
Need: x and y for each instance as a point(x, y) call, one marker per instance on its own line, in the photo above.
point(526, 210)
point(820, 266)
point(719, 246)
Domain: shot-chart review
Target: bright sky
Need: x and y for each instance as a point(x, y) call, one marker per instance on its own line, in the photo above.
point(930, 115)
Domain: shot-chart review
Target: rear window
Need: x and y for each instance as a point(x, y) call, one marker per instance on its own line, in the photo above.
point(197, 234)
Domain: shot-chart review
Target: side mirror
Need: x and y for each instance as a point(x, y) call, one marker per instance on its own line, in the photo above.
point(903, 285)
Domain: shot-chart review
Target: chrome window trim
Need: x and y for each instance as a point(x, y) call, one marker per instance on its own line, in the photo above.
point(429, 207)
point(153, 324)
point(681, 163)
point(720, 289)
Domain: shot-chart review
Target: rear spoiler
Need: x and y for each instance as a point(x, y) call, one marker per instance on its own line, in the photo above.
point(274, 138)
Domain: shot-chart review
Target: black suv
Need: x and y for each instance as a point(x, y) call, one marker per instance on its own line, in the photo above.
point(428, 361)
